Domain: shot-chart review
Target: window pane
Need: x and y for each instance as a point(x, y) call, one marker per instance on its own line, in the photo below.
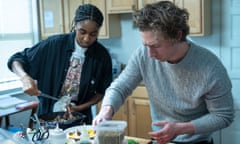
point(14, 16)
point(16, 32)
point(7, 49)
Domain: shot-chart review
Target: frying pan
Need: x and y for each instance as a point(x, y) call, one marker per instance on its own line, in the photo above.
point(49, 120)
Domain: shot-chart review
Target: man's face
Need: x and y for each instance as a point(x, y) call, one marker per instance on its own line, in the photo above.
point(86, 33)
point(158, 47)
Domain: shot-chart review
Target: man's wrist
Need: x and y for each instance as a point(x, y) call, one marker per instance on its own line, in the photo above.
point(108, 110)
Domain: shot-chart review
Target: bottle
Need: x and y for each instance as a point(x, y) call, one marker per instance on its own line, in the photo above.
point(116, 66)
point(84, 137)
point(57, 135)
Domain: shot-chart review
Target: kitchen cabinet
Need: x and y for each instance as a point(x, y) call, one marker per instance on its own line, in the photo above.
point(56, 17)
point(139, 118)
point(200, 15)
point(111, 24)
point(136, 112)
point(122, 114)
point(127, 6)
point(199, 10)
point(123, 6)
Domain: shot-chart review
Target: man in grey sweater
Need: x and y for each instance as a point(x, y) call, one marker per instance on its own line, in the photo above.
point(188, 87)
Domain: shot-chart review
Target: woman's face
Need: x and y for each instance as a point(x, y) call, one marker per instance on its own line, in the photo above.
point(86, 33)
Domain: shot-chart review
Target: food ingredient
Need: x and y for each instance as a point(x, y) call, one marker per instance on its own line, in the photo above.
point(131, 141)
point(110, 137)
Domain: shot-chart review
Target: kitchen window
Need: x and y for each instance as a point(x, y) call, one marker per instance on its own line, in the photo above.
point(18, 30)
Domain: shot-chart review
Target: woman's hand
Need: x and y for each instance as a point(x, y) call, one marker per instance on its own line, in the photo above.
point(30, 86)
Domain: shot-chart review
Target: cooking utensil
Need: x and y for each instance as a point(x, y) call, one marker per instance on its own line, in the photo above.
point(49, 119)
point(60, 104)
point(42, 133)
point(48, 96)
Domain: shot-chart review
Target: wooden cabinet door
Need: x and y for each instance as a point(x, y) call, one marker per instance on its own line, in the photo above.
point(139, 118)
point(56, 16)
point(142, 3)
point(102, 6)
point(51, 17)
point(70, 7)
point(122, 114)
point(111, 24)
point(200, 15)
point(121, 6)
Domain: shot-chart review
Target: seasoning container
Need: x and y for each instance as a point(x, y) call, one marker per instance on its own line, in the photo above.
point(56, 135)
point(84, 137)
point(110, 132)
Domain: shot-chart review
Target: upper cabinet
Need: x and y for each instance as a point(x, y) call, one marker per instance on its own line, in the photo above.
point(57, 16)
point(127, 6)
point(121, 6)
point(200, 16)
point(111, 24)
point(199, 10)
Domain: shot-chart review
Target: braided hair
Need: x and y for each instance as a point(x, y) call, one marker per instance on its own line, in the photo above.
point(88, 12)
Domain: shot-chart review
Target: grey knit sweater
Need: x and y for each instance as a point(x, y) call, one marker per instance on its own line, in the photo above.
point(197, 89)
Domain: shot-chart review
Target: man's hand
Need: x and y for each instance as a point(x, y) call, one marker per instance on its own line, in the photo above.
point(166, 134)
point(105, 113)
point(170, 130)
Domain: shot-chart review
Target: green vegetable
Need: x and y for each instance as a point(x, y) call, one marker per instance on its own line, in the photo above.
point(131, 141)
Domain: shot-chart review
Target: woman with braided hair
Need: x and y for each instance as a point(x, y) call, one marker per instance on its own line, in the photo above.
point(74, 64)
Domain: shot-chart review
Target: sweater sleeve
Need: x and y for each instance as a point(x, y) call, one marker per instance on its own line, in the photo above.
point(126, 82)
point(219, 103)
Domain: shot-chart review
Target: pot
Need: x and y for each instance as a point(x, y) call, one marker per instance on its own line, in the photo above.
point(49, 120)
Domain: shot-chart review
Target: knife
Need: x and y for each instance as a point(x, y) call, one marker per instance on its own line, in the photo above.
point(48, 96)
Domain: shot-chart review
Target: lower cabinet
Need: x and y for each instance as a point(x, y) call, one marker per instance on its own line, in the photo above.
point(139, 118)
point(137, 114)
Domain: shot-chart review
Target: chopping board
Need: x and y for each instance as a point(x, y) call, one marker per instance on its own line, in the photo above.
point(141, 140)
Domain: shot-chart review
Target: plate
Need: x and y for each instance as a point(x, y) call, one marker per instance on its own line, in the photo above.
point(76, 131)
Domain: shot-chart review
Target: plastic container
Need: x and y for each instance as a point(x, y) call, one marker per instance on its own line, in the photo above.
point(7, 137)
point(110, 132)
point(56, 135)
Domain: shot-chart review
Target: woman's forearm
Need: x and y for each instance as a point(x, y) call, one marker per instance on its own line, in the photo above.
point(17, 68)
